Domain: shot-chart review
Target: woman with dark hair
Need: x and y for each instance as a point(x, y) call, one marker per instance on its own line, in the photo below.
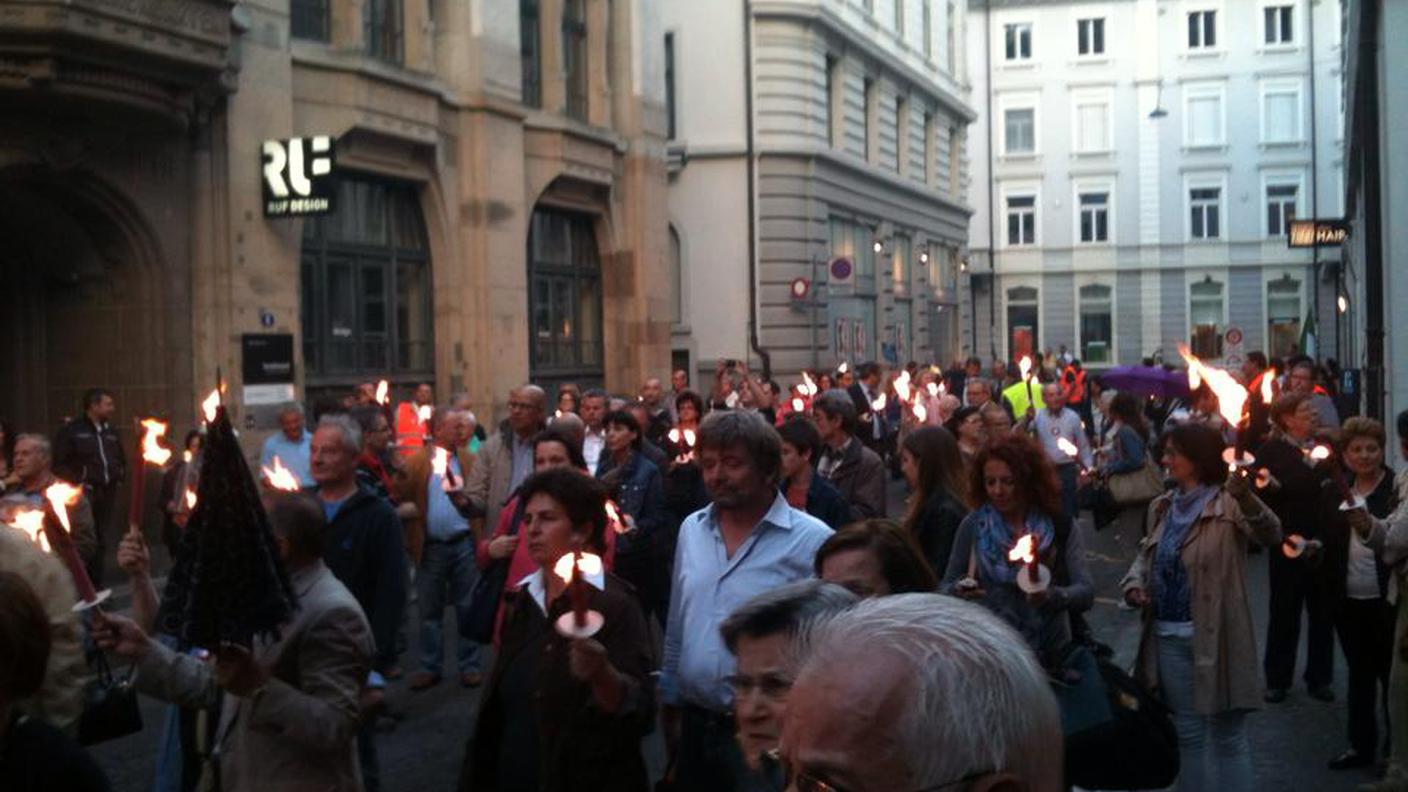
point(562, 713)
point(1015, 494)
point(966, 424)
point(174, 482)
point(34, 756)
point(1358, 581)
point(938, 491)
point(634, 484)
point(1127, 452)
point(1198, 646)
point(1297, 584)
point(684, 485)
point(874, 558)
point(569, 398)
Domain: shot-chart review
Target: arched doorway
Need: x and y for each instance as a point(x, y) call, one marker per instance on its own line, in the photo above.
point(83, 301)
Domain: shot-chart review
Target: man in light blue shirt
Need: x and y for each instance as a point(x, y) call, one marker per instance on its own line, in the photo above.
point(290, 445)
point(746, 542)
point(1051, 424)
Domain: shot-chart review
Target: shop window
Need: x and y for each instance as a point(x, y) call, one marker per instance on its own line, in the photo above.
point(1206, 308)
point(1023, 313)
point(1283, 316)
point(1097, 340)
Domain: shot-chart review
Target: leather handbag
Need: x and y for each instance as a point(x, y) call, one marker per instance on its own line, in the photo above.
point(1138, 487)
point(110, 707)
point(1132, 745)
point(477, 622)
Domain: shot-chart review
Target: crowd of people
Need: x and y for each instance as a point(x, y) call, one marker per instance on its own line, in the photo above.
point(721, 566)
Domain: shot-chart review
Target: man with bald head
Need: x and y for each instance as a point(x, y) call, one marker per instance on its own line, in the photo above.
point(506, 458)
point(652, 393)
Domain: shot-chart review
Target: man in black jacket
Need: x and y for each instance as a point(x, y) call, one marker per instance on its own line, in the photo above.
point(88, 452)
point(855, 470)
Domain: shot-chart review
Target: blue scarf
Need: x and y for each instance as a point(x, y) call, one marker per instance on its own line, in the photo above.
point(1173, 600)
point(994, 540)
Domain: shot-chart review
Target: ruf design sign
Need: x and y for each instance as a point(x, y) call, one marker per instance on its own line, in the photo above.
point(298, 176)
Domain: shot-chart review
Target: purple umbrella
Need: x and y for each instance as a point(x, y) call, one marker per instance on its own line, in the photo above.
point(1146, 381)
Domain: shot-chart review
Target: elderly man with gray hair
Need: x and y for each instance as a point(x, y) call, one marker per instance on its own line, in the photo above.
point(950, 698)
point(759, 635)
point(506, 458)
point(290, 445)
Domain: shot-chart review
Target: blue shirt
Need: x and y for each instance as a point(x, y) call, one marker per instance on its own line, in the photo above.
point(442, 520)
point(708, 586)
point(330, 508)
point(292, 453)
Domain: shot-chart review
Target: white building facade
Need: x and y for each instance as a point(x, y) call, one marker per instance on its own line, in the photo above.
point(818, 180)
point(1135, 166)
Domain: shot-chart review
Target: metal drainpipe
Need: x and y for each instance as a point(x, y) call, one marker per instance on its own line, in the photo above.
point(992, 232)
point(762, 354)
point(1368, 132)
point(1315, 186)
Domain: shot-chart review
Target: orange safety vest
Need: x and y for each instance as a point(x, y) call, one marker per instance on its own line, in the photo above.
point(1074, 383)
point(410, 429)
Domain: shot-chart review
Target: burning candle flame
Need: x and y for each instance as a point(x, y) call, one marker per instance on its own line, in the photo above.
point(187, 456)
point(902, 386)
point(1024, 550)
point(280, 477)
point(210, 405)
point(424, 412)
point(879, 403)
point(1231, 396)
point(1068, 447)
point(62, 495)
point(190, 498)
point(933, 388)
point(31, 521)
point(798, 405)
point(1025, 366)
point(588, 564)
point(383, 392)
point(1320, 453)
point(921, 414)
point(689, 437)
point(1263, 478)
point(808, 386)
point(841, 369)
point(151, 452)
point(1268, 380)
point(613, 518)
point(556, 414)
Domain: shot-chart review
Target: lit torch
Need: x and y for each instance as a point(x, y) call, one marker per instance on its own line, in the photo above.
point(798, 406)
point(1032, 577)
point(440, 465)
point(902, 386)
point(573, 568)
point(683, 440)
point(1320, 453)
point(808, 385)
point(1069, 449)
point(58, 497)
point(211, 405)
point(383, 393)
point(1231, 401)
point(934, 388)
point(31, 521)
point(147, 451)
point(280, 477)
point(190, 499)
point(1025, 366)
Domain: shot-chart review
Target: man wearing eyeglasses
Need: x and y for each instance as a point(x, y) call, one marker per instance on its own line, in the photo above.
point(919, 693)
point(506, 459)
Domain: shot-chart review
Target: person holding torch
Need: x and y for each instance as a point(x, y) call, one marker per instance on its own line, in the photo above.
point(565, 713)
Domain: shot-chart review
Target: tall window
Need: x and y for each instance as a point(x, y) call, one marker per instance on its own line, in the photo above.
point(868, 130)
point(834, 101)
point(955, 162)
point(1021, 220)
point(851, 307)
point(366, 286)
point(1019, 126)
point(670, 106)
point(901, 274)
point(1095, 216)
point(1202, 29)
point(951, 35)
point(676, 277)
point(530, 52)
point(1023, 312)
point(901, 135)
point(902, 277)
point(1280, 113)
point(928, 28)
point(1283, 314)
point(574, 56)
point(1205, 311)
point(1280, 207)
point(855, 241)
point(308, 19)
point(381, 22)
point(929, 146)
point(899, 18)
point(1204, 124)
point(1092, 125)
point(564, 297)
point(1090, 36)
point(1205, 209)
point(1018, 41)
point(1277, 24)
point(1097, 338)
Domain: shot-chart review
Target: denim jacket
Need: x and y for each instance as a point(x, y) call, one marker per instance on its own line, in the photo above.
point(637, 489)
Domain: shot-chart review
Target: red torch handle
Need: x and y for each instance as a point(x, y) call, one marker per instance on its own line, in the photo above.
point(63, 543)
point(139, 484)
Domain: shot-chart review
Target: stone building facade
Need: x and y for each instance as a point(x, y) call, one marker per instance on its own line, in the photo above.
point(498, 198)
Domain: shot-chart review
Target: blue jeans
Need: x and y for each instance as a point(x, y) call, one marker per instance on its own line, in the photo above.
point(1070, 480)
point(445, 569)
point(1213, 749)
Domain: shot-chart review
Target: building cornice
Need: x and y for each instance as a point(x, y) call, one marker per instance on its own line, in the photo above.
point(821, 15)
point(918, 190)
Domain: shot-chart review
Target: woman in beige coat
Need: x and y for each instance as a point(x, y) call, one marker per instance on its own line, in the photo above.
point(1199, 646)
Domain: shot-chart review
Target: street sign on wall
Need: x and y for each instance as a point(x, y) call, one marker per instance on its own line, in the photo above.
point(298, 176)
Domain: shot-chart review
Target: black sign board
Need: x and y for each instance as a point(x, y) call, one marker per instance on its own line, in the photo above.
point(268, 358)
point(1317, 233)
point(298, 176)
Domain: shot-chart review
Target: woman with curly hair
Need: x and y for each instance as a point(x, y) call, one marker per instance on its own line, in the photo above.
point(1015, 493)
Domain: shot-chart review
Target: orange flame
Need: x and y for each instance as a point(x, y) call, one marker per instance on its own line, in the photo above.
point(588, 564)
point(210, 404)
point(1320, 453)
point(190, 498)
point(1067, 446)
point(62, 495)
point(280, 477)
point(383, 392)
point(1268, 380)
point(151, 452)
point(1024, 550)
point(1231, 396)
point(31, 521)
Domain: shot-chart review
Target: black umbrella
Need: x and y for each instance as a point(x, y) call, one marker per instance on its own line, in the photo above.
point(228, 585)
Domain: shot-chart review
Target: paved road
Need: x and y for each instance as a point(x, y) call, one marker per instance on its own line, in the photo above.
point(1291, 742)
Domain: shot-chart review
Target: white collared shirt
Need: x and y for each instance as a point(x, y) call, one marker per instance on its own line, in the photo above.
point(592, 445)
point(533, 584)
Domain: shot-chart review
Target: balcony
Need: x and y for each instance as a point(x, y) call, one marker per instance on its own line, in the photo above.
point(153, 56)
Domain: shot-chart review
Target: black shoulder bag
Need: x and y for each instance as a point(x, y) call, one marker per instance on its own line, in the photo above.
point(477, 623)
